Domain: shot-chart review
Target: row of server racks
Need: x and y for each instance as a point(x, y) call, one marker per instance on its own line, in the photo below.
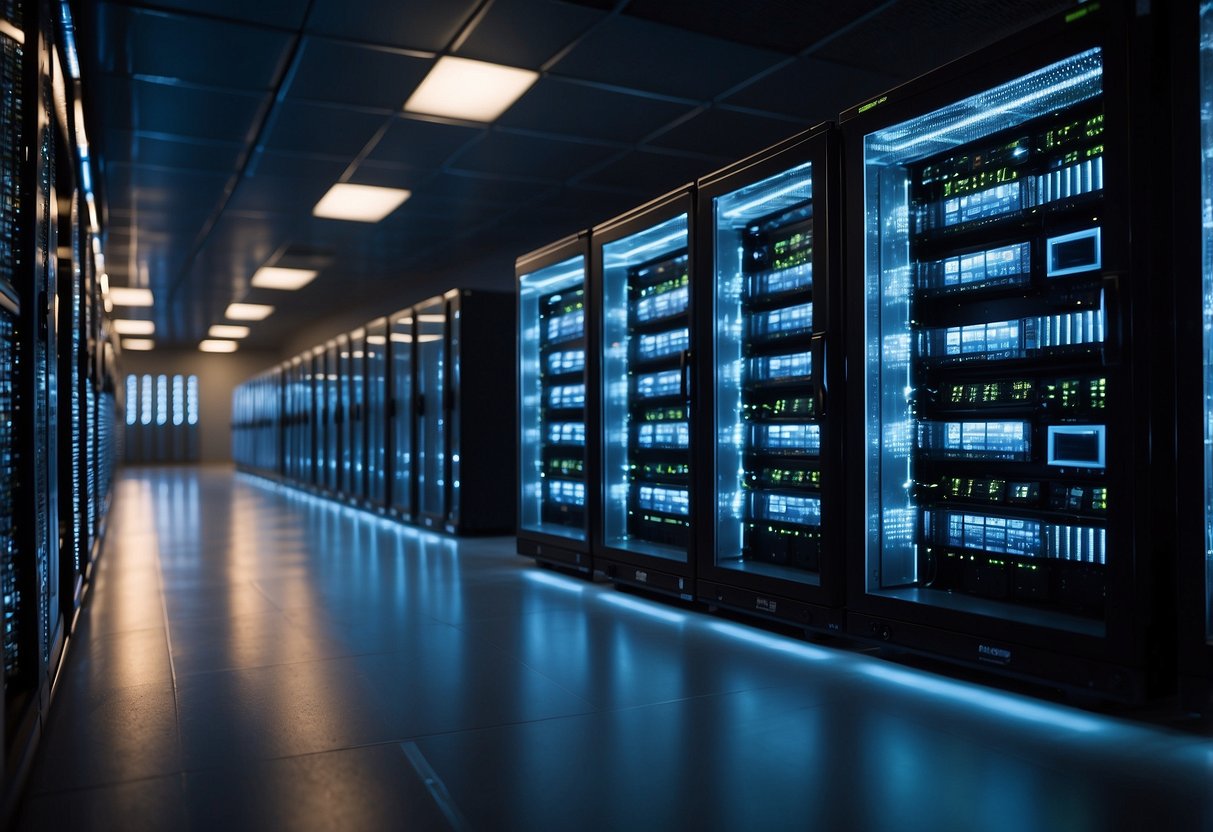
point(410, 415)
point(58, 425)
point(933, 377)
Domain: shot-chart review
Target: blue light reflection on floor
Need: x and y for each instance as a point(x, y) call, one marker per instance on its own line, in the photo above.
point(781, 644)
point(648, 608)
point(556, 581)
point(1003, 704)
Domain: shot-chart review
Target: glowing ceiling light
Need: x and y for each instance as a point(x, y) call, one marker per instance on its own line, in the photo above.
point(125, 326)
point(274, 277)
point(359, 203)
point(248, 311)
point(129, 296)
point(212, 345)
point(138, 344)
point(227, 331)
point(471, 90)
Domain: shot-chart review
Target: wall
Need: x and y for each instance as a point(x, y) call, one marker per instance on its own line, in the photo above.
point(218, 375)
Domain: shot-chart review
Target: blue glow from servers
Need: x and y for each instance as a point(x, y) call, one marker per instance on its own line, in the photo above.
point(779, 281)
point(567, 361)
point(191, 399)
point(566, 433)
point(567, 327)
point(664, 499)
point(145, 396)
point(780, 367)
point(178, 400)
point(566, 492)
point(659, 385)
point(132, 399)
point(663, 344)
point(797, 438)
point(664, 305)
point(782, 321)
point(784, 508)
point(668, 435)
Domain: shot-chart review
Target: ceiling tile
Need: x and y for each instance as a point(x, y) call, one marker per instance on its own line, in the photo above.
point(652, 173)
point(726, 133)
point(563, 106)
point(951, 28)
point(526, 33)
point(412, 24)
point(783, 25)
point(649, 56)
point(364, 76)
point(194, 113)
point(162, 45)
point(287, 14)
point(420, 144)
point(171, 151)
point(813, 89)
point(322, 129)
point(508, 154)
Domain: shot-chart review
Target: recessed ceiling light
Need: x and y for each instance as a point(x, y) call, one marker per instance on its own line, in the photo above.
point(138, 344)
point(360, 203)
point(376, 339)
point(211, 345)
point(431, 318)
point(248, 311)
point(274, 277)
point(124, 326)
point(128, 296)
point(228, 331)
point(472, 90)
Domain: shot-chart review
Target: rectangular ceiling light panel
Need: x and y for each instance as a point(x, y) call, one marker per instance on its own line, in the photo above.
point(211, 345)
point(129, 296)
point(248, 311)
point(228, 331)
point(138, 344)
point(470, 90)
point(359, 203)
point(274, 277)
point(125, 326)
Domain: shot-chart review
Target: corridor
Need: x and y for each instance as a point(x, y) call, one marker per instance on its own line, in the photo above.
point(254, 658)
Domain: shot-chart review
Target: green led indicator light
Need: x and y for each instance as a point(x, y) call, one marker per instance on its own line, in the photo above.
point(865, 107)
point(1080, 13)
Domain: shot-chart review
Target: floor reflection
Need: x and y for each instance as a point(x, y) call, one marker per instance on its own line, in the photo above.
point(262, 645)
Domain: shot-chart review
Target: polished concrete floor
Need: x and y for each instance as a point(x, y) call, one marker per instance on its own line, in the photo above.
point(252, 658)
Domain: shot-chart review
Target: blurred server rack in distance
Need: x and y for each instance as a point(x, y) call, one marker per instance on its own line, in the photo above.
point(767, 229)
point(556, 478)
point(641, 279)
point(401, 424)
point(999, 515)
point(1191, 57)
point(378, 392)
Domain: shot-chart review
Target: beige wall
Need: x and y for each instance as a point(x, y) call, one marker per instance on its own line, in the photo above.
point(218, 375)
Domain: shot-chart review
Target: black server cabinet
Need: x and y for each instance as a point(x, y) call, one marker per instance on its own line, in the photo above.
point(481, 451)
point(355, 389)
point(557, 486)
point(1191, 27)
point(376, 412)
point(771, 541)
point(641, 281)
point(402, 500)
point(1000, 309)
point(349, 424)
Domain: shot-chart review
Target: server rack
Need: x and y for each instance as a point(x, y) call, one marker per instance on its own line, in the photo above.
point(332, 419)
point(377, 398)
point(401, 427)
point(641, 278)
point(557, 487)
point(355, 392)
point(1191, 42)
point(480, 453)
point(430, 394)
point(1000, 320)
point(771, 543)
